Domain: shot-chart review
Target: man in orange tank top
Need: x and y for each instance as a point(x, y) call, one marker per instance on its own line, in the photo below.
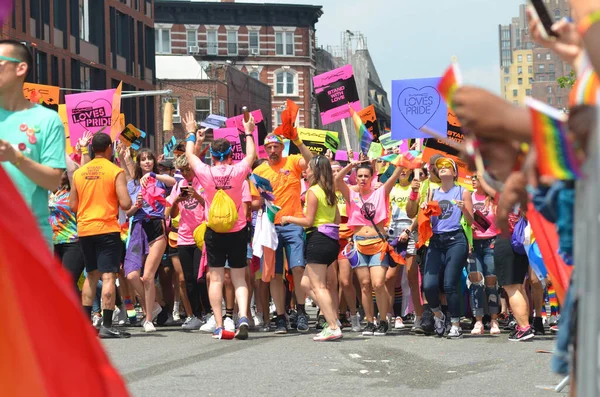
point(99, 188)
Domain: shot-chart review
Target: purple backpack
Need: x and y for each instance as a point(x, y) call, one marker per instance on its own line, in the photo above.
point(518, 237)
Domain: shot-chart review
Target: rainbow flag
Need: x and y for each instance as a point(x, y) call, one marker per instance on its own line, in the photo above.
point(449, 83)
point(555, 154)
point(407, 160)
point(585, 90)
point(364, 135)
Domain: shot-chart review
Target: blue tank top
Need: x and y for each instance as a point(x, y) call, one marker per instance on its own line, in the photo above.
point(449, 220)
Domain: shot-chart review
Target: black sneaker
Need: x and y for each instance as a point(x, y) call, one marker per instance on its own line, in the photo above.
point(369, 329)
point(381, 329)
point(280, 326)
point(162, 318)
point(512, 323)
point(293, 318)
point(320, 323)
point(345, 322)
point(518, 335)
point(538, 326)
point(242, 332)
point(302, 322)
point(112, 333)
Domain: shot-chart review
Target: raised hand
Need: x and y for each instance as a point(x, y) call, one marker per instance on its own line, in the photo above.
point(189, 122)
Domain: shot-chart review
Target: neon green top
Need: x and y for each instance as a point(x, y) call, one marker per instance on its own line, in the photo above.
point(325, 213)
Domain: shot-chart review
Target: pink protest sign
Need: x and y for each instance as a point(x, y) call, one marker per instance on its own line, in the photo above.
point(231, 134)
point(342, 155)
point(89, 111)
point(334, 90)
point(260, 132)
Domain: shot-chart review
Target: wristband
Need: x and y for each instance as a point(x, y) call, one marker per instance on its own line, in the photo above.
point(247, 135)
point(191, 137)
point(297, 141)
point(413, 195)
point(85, 150)
point(20, 158)
point(587, 21)
point(152, 175)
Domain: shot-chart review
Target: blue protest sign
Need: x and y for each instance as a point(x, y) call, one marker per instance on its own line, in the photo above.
point(416, 103)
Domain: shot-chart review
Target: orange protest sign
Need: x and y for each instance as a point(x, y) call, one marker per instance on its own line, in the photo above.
point(437, 146)
point(41, 93)
point(115, 125)
point(369, 119)
point(62, 113)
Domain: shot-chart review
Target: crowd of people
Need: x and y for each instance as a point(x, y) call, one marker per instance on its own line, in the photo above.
point(372, 245)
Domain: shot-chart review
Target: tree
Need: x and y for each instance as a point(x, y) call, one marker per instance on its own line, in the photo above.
point(567, 81)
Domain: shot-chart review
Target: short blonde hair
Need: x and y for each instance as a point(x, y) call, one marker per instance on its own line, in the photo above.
point(181, 162)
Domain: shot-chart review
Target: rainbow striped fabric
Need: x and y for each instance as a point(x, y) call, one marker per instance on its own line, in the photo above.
point(585, 89)
point(555, 154)
point(364, 135)
point(449, 83)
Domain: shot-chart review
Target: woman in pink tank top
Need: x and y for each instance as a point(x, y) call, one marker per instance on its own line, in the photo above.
point(367, 215)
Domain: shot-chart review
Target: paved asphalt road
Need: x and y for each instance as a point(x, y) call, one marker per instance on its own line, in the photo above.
point(177, 364)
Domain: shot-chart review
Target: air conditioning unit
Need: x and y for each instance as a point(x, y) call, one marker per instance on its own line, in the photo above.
point(176, 119)
point(254, 51)
point(193, 49)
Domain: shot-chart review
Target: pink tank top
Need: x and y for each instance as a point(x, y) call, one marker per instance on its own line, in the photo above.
point(376, 202)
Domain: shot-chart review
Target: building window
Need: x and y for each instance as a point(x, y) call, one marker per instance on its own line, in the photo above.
point(221, 107)
point(506, 34)
point(515, 92)
point(557, 14)
point(192, 38)
point(212, 45)
point(278, 117)
point(531, 80)
point(519, 58)
point(284, 43)
point(539, 56)
point(506, 70)
point(551, 77)
point(529, 58)
point(84, 20)
point(203, 108)
point(84, 78)
point(255, 75)
point(530, 69)
point(253, 42)
point(549, 100)
point(541, 68)
point(506, 80)
point(520, 81)
point(175, 103)
point(284, 83)
point(519, 70)
point(528, 92)
point(162, 41)
point(232, 42)
point(559, 100)
point(551, 68)
point(548, 56)
point(549, 90)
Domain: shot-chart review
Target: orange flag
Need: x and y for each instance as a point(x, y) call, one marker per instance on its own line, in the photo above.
point(288, 119)
point(35, 359)
point(424, 221)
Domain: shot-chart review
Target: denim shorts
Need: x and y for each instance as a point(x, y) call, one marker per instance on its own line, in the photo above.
point(291, 239)
point(371, 260)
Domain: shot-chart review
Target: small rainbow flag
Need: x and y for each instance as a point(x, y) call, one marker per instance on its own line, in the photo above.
point(555, 154)
point(364, 135)
point(449, 83)
point(407, 160)
point(585, 90)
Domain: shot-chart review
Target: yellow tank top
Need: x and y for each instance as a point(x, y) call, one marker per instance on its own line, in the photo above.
point(325, 213)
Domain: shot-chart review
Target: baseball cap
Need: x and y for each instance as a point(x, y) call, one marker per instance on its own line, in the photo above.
point(166, 163)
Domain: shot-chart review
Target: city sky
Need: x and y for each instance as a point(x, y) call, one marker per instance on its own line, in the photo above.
point(413, 39)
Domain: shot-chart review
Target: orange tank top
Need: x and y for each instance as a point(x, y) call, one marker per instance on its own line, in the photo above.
point(98, 208)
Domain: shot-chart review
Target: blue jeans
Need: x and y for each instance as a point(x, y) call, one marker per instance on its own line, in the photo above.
point(291, 239)
point(561, 360)
point(444, 263)
point(483, 252)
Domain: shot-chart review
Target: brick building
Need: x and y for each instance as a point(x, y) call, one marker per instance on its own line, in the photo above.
point(91, 45)
point(205, 89)
point(273, 43)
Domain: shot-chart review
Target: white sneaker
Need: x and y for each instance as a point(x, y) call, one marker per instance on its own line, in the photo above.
point(228, 324)
point(258, 320)
point(156, 311)
point(308, 301)
point(210, 325)
point(272, 308)
point(355, 321)
point(192, 323)
point(122, 316)
point(170, 320)
point(398, 323)
point(176, 316)
point(148, 326)
point(389, 318)
point(96, 321)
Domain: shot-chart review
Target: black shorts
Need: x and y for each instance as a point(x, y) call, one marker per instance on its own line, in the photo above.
point(226, 247)
point(102, 252)
point(154, 229)
point(511, 268)
point(320, 249)
point(169, 253)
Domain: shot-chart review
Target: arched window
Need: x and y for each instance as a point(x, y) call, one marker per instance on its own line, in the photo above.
point(255, 75)
point(285, 82)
